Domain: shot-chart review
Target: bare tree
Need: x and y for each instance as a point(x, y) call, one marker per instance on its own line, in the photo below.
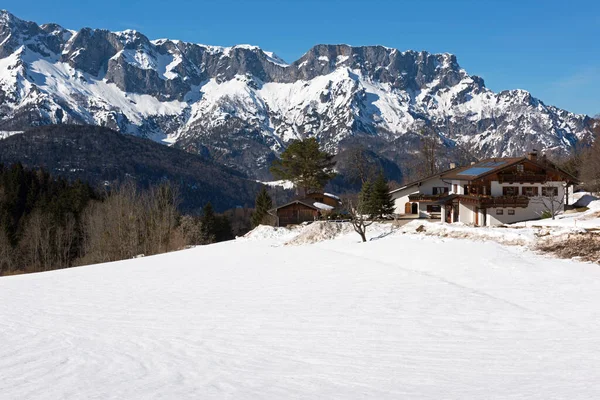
point(65, 239)
point(6, 253)
point(590, 165)
point(550, 200)
point(130, 222)
point(160, 217)
point(357, 208)
point(429, 151)
point(114, 229)
point(360, 170)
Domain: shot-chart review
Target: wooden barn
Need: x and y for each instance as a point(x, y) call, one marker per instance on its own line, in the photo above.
point(308, 209)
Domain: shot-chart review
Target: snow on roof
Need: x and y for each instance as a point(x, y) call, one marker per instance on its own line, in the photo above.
point(322, 206)
point(333, 196)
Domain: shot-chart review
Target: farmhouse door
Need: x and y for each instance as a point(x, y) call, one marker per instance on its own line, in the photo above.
point(415, 208)
point(407, 208)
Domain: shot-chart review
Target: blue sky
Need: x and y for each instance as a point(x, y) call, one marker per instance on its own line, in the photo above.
point(550, 48)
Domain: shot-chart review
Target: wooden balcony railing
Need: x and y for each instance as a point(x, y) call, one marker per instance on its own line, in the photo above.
point(530, 178)
point(504, 201)
point(480, 200)
point(427, 197)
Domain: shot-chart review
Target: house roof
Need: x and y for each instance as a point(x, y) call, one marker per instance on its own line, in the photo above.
point(486, 167)
point(493, 165)
point(436, 175)
point(311, 203)
point(481, 168)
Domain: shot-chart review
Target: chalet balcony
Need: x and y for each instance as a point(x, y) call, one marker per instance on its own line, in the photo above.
point(427, 197)
point(522, 178)
point(504, 201)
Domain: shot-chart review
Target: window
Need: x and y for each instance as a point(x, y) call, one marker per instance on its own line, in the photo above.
point(440, 190)
point(511, 212)
point(510, 191)
point(455, 188)
point(465, 189)
point(550, 191)
point(499, 211)
point(520, 168)
point(529, 191)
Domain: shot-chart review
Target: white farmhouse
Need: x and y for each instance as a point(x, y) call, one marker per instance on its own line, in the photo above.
point(491, 192)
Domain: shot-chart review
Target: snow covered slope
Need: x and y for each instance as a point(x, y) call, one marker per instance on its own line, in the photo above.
point(398, 317)
point(244, 104)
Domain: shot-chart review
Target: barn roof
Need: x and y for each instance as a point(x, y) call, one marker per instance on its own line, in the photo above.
point(306, 202)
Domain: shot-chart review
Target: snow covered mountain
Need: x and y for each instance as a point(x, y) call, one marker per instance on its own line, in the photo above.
point(242, 104)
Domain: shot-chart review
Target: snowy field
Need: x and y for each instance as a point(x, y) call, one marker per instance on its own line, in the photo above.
point(403, 316)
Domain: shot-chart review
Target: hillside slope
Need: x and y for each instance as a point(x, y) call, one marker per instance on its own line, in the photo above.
point(98, 155)
point(246, 319)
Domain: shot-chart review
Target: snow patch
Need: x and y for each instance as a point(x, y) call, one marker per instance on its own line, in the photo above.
point(320, 231)
point(322, 206)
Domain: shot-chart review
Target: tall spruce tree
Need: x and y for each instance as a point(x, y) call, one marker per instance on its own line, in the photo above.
point(381, 202)
point(208, 224)
point(365, 198)
point(305, 165)
point(263, 204)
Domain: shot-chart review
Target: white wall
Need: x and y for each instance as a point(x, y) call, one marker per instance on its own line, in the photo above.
point(521, 214)
point(427, 186)
point(537, 205)
point(466, 213)
point(401, 197)
point(497, 187)
point(460, 187)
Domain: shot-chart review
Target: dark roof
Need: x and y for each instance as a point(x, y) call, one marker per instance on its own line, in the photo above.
point(485, 167)
point(493, 165)
point(481, 168)
point(306, 202)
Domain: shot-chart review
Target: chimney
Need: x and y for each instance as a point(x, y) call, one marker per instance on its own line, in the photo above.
point(452, 165)
point(532, 155)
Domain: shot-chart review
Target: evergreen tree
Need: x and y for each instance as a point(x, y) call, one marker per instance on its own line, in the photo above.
point(263, 205)
point(305, 165)
point(223, 229)
point(381, 202)
point(365, 198)
point(209, 223)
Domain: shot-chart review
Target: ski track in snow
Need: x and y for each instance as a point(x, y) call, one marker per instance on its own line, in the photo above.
point(398, 317)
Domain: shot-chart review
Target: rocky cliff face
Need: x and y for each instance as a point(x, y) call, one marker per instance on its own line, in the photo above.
point(242, 104)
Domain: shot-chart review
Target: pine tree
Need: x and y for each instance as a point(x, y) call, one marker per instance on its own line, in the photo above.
point(223, 229)
point(305, 165)
point(263, 205)
point(381, 202)
point(365, 198)
point(208, 224)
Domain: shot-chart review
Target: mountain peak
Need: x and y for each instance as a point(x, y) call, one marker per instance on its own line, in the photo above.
point(243, 105)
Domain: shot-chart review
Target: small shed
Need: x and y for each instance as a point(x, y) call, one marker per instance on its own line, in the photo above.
point(310, 208)
point(324, 198)
point(295, 212)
